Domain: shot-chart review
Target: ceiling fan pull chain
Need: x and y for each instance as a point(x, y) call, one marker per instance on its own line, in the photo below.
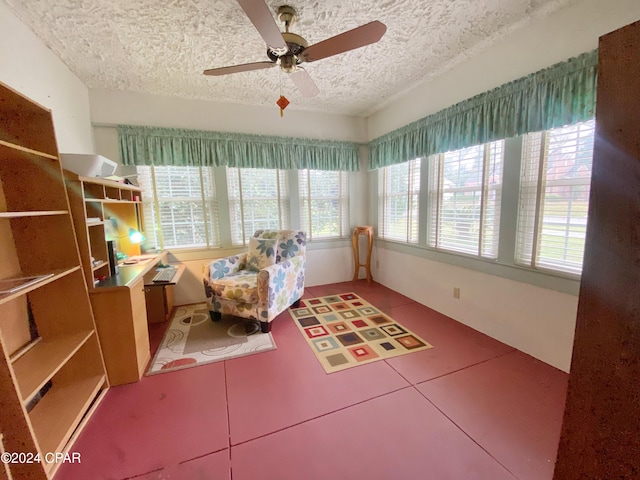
point(282, 101)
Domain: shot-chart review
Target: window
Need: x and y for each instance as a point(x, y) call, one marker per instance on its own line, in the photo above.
point(180, 206)
point(554, 197)
point(465, 188)
point(398, 198)
point(324, 203)
point(258, 199)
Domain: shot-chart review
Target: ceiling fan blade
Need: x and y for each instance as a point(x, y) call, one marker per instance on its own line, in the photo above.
point(349, 40)
point(246, 67)
point(304, 82)
point(261, 17)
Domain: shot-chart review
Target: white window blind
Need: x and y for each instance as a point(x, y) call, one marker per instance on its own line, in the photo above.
point(465, 188)
point(258, 199)
point(554, 198)
point(324, 203)
point(398, 199)
point(180, 206)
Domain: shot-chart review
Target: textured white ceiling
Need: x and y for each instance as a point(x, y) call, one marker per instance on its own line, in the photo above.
point(162, 46)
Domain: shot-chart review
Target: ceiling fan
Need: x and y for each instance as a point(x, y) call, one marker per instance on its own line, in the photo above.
point(289, 50)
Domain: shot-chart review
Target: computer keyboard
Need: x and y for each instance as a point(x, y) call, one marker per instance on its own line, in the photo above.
point(165, 274)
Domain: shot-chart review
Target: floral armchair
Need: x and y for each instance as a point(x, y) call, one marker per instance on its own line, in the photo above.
point(261, 283)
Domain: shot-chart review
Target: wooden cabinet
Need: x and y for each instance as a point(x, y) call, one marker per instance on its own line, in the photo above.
point(159, 296)
point(122, 326)
point(51, 368)
point(159, 301)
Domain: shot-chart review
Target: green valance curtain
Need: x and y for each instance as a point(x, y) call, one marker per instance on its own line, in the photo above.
point(169, 146)
point(560, 95)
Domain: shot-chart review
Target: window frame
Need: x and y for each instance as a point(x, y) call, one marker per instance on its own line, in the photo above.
point(306, 203)
point(412, 195)
point(529, 231)
point(153, 202)
point(240, 236)
point(437, 192)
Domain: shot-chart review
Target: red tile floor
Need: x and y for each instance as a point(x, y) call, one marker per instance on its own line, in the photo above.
point(470, 408)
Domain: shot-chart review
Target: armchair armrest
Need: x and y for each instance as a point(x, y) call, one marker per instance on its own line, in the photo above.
point(225, 266)
point(279, 286)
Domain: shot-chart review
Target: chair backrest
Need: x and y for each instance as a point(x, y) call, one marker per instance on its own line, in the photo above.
point(290, 243)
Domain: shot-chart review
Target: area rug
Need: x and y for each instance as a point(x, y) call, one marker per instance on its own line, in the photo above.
point(345, 330)
point(192, 339)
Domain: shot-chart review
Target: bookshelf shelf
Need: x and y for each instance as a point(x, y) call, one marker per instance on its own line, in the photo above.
point(99, 266)
point(48, 278)
point(55, 415)
point(40, 363)
point(23, 150)
point(32, 214)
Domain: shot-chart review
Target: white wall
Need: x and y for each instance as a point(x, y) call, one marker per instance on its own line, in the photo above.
point(110, 107)
point(29, 67)
point(535, 320)
point(538, 321)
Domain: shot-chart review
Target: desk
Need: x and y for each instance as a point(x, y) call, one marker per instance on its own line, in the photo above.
point(120, 309)
point(159, 296)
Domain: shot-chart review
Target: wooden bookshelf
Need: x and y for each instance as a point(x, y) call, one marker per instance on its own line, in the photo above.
point(51, 366)
point(103, 210)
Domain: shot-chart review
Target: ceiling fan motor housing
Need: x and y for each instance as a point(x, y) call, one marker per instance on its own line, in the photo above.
point(295, 43)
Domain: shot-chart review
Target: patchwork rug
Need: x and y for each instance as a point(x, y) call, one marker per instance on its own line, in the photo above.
point(193, 339)
point(345, 330)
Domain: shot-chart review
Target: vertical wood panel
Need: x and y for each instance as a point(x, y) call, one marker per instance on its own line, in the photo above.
point(601, 431)
point(16, 433)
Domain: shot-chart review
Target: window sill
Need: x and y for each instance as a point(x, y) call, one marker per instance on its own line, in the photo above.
point(186, 254)
point(203, 253)
point(552, 280)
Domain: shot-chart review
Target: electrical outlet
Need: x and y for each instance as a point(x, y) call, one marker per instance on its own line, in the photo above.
point(456, 292)
point(377, 263)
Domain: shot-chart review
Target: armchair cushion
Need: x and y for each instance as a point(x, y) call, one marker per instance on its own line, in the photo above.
point(289, 242)
point(240, 287)
point(226, 266)
point(289, 245)
point(262, 253)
